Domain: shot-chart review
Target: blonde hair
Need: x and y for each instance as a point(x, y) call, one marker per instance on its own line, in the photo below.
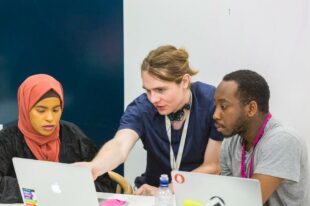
point(168, 63)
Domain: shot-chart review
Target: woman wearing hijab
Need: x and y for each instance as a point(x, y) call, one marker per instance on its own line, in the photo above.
point(41, 135)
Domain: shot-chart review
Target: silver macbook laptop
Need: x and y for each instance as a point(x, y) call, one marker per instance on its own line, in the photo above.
point(50, 183)
point(217, 190)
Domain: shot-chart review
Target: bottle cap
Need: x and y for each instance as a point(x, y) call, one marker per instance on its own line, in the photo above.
point(164, 180)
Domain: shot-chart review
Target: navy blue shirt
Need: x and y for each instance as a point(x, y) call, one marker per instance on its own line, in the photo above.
point(142, 117)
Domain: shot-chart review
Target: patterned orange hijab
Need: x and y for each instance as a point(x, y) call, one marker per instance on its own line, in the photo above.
point(29, 93)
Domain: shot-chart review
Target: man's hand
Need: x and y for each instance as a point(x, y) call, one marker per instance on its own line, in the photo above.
point(146, 190)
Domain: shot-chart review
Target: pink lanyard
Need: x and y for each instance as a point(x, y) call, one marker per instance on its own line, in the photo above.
point(257, 138)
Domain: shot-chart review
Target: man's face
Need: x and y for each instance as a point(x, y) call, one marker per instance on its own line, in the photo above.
point(230, 114)
point(45, 115)
point(166, 96)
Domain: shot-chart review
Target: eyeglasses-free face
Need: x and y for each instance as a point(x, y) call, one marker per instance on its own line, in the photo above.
point(45, 115)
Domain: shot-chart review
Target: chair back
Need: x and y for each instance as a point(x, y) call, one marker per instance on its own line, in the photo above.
point(122, 185)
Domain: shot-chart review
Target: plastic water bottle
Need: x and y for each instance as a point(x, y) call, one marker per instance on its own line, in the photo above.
point(164, 196)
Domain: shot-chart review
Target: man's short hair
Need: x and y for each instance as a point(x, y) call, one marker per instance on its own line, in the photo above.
point(251, 87)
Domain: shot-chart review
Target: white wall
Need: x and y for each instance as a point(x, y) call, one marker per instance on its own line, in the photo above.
point(271, 37)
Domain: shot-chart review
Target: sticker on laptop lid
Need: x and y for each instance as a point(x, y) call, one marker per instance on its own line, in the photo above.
point(30, 197)
point(179, 178)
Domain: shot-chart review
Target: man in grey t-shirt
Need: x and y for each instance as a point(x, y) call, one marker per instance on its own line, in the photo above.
point(259, 147)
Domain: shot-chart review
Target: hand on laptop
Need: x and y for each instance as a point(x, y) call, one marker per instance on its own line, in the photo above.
point(146, 190)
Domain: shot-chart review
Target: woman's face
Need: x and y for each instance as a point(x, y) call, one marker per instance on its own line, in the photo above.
point(166, 96)
point(45, 115)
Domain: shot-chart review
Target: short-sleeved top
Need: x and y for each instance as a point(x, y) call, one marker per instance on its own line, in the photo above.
point(142, 117)
point(279, 153)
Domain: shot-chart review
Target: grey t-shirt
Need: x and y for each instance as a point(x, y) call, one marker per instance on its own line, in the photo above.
point(279, 153)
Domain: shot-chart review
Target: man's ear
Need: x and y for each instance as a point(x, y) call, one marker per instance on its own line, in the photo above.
point(186, 81)
point(252, 108)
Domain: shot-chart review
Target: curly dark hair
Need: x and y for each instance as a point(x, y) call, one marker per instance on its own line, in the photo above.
point(251, 87)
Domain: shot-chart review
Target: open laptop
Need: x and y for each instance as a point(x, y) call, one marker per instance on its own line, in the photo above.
point(50, 183)
point(205, 188)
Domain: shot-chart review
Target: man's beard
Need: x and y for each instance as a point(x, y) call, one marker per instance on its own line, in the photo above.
point(239, 128)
